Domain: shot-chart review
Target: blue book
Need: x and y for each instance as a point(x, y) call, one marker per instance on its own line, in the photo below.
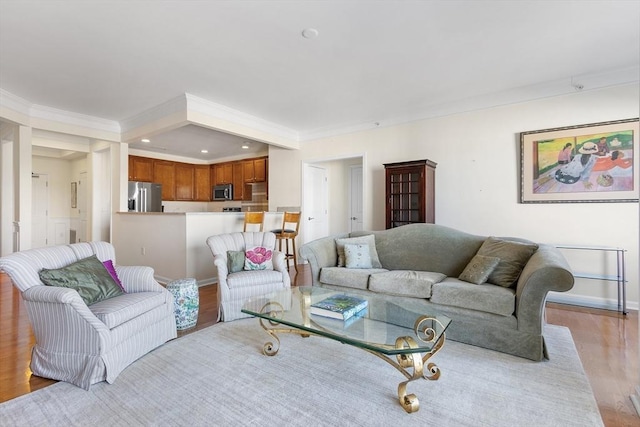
point(339, 306)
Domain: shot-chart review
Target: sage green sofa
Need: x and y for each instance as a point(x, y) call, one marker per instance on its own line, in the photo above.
point(419, 266)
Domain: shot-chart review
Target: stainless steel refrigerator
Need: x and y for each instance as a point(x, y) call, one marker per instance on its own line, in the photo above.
point(145, 197)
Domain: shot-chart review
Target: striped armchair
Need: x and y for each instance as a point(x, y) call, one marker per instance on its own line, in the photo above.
point(83, 344)
point(235, 288)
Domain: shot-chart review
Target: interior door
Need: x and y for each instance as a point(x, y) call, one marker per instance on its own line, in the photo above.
point(39, 209)
point(355, 199)
point(314, 221)
point(82, 208)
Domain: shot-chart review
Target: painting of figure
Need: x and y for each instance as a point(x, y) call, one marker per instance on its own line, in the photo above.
point(585, 163)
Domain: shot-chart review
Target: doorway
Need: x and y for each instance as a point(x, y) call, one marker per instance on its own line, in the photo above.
point(39, 210)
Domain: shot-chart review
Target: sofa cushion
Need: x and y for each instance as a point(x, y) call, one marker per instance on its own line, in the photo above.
point(479, 269)
point(357, 256)
point(118, 310)
point(513, 257)
point(367, 240)
point(88, 277)
point(248, 278)
point(405, 283)
point(349, 278)
point(485, 297)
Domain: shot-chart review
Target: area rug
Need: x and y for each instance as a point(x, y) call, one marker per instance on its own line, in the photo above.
point(218, 376)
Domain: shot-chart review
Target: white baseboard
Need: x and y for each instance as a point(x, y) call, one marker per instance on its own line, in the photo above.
point(586, 301)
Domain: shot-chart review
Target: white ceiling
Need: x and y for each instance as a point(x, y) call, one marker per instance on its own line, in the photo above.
point(373, 61)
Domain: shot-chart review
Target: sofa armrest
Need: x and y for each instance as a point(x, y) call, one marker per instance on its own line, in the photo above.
point(220, 263)
point(138, 279)
point(54, 311)
point(547, 270)
point(320, 253)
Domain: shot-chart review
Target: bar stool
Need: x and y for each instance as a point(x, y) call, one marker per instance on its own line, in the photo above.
point(251, 218)
point(288, 232)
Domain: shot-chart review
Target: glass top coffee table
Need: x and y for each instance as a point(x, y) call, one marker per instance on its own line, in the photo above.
point(402, 337)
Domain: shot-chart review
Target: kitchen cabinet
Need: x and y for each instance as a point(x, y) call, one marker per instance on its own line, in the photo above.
point(185, 181)
point(223, 173)
point(255, 170)
point(164, 172)
point(140, 169)
point(238, 180)
point(202, 187)
point(410, 192)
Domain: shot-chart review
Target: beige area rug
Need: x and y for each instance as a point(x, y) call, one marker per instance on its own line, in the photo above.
point(219, 377)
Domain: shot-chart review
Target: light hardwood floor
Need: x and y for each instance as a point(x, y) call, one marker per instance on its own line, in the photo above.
point(606, 341)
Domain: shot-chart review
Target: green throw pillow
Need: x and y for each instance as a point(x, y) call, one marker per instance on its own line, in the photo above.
point(479, 269)
point(88, 276)
point(513, 257)
point(235, 261)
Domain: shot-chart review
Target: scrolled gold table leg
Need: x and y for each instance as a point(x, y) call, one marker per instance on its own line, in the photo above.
point(409, 402)
point(275, 309)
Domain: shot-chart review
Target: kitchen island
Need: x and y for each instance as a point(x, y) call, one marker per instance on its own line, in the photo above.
point(174, 244)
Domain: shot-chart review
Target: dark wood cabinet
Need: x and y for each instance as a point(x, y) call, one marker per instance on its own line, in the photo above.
point(140, 169)
point(164, 172)
point(410, 192)
point(202, 186)
point(185, 181)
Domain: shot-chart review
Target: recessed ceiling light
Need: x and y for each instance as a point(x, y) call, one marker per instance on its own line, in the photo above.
point(145, 140)
point(245, 147)
point(204, 151)
point(310, 33)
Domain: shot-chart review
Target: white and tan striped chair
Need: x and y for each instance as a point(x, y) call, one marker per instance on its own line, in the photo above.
point(235, 288)
point(83, 344)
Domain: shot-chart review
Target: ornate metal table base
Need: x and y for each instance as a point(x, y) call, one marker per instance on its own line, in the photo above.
point(410, 364)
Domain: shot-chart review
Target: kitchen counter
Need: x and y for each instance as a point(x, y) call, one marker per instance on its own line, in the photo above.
point(174, 243)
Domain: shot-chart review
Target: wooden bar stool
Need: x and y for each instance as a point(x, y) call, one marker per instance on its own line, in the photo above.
point(288, 232)
point(253, 218)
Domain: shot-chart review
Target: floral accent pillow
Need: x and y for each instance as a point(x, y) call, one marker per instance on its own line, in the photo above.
point(258, 258)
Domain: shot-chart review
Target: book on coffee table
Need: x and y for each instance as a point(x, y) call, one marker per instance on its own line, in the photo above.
point(339, 306)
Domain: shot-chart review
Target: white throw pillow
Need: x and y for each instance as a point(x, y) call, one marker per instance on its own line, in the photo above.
point(367, 240)
point(357, 256)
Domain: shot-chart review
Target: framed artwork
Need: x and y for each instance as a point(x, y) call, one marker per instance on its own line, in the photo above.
point(595, 162)
point(74, 194)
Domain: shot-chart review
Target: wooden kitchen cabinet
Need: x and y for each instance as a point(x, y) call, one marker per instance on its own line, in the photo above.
point(140, 169)
point(164, 172)
point(223, 173)
point(238, 180)
point(185, 181)
point(255, 170)
point(202, 187)
point(410, 192)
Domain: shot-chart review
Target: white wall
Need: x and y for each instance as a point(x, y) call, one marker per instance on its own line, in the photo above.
point(477, 177)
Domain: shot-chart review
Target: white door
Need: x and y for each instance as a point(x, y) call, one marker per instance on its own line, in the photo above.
point(82, 207)
point(355, 195)
point(315, 223)
point(39, 209)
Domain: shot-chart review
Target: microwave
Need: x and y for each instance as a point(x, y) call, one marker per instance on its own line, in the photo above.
point(222, 192)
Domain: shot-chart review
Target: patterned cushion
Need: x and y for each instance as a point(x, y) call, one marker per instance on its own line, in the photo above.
point(253, 278)
point(118, 310)
point(258, 258)
point(357, 256)
point(479, 269)
point(368, 240)
point(88, 277)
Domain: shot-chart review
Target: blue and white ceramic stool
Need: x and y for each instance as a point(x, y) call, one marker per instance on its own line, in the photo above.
point(186, 302)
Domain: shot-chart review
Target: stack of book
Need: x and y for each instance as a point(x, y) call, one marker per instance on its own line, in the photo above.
point(340, 306)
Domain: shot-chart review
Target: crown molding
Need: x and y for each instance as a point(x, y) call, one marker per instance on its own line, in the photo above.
point(75, 119)
point(569, 85)
point(167, 108)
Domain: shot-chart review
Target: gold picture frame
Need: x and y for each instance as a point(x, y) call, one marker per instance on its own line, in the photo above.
point(595, 162)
